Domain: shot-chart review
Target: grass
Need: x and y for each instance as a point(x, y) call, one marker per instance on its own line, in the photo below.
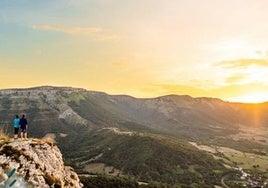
point(248, 160)
point(52, 180)
point(3, 136)
point(234, 157)
point(49, 140)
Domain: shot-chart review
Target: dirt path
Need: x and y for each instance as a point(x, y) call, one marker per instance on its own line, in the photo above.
point(222, 182)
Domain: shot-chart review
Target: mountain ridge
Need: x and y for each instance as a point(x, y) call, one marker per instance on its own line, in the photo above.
point(77, 117)
point(77, 106)
point(51, 87)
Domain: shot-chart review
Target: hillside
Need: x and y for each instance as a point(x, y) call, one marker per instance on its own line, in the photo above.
point(142, 138)
point(64, 110)
point(147, 157)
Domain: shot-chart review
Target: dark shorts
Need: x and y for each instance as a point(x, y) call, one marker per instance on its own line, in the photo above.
point(16, 130)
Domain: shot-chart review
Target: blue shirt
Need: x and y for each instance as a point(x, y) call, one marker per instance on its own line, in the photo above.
point(16, 122)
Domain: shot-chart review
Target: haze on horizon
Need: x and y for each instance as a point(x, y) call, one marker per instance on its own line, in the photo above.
point(143, 48)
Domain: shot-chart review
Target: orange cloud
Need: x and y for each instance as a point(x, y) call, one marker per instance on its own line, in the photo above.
point(69, 30)
point(104, 37)
point(119, 64)
point(236, 78)
point(95, 32)
point(243, 63)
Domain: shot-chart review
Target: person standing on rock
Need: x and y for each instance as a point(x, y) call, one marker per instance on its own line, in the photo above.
point(16, 124)
point(23, 127)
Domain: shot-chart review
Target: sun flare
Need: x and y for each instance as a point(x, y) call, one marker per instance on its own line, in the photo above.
point(252, 98)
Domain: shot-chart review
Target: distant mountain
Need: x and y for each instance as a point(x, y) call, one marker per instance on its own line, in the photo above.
point(69, 110)
point(58, 109)
point(134, 135)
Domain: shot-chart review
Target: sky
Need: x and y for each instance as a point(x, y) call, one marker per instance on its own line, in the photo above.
point(143, 48)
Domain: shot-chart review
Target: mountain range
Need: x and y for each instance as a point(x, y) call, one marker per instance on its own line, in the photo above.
point(146, 138)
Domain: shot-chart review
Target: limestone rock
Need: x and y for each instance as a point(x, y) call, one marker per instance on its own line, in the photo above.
point(34, 163)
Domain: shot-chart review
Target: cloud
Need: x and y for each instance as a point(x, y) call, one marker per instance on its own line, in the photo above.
point(105, 37)
point(94, 32)
point(243, 63)
point(69, 30)
point(236, 78)
point(119, 64)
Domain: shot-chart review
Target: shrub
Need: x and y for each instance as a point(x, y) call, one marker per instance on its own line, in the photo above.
point(49, 140)
point(3, 136)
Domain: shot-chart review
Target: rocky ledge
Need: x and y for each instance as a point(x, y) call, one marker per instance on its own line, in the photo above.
point(34, 163)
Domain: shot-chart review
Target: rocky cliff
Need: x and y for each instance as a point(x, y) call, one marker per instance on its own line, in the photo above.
point(34, 163)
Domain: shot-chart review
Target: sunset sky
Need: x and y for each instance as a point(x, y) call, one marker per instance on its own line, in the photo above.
point(143, 48)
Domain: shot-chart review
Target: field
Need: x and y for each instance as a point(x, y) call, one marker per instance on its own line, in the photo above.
point(234, 158)
point(256, 134)
point(101, 168)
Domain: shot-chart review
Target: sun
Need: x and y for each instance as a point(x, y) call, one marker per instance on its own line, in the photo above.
point(252, 98)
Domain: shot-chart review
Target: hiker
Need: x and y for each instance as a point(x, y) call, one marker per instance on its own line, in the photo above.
point(23, 127)
point(16, 124)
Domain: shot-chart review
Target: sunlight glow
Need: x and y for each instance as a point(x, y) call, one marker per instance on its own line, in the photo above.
point(138, 48)
point(235, 47)
point(252, 98)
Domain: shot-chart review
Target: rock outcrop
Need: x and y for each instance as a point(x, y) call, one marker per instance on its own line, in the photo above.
point(34, 163)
